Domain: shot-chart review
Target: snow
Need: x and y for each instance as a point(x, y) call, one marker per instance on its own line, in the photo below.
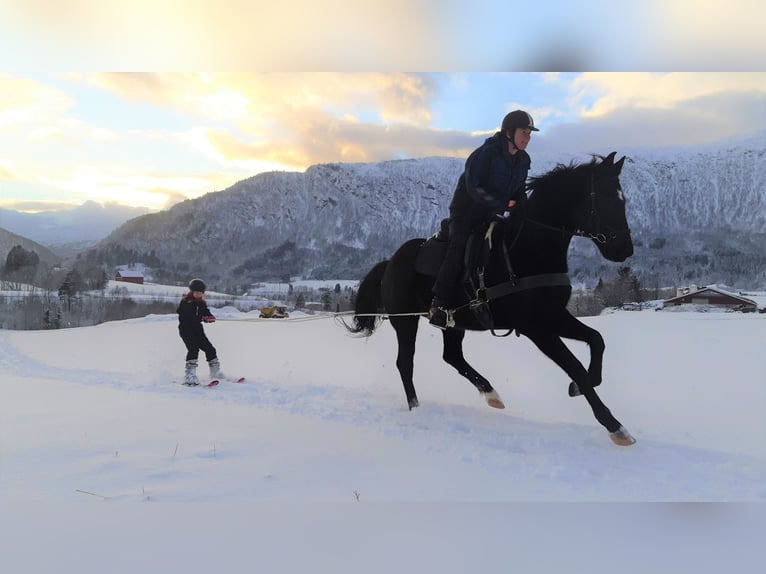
point(316, 465)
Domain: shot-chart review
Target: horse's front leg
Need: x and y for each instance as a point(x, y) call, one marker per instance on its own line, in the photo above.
point(572, 328)
point(453, 355)
point(555, 349)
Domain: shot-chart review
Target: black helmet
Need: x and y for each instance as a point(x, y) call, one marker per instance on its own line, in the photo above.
point(197, 285)
point(518, 119)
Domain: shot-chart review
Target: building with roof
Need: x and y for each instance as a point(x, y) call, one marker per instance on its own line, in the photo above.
point(715, 297)
point(129, 276)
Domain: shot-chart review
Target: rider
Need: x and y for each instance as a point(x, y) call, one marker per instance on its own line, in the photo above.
point(493, 181)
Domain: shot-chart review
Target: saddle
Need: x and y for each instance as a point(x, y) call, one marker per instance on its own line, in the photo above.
point(474, 313)
point(432, 252)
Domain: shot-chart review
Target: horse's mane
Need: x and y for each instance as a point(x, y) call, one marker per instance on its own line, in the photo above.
point(555, 177)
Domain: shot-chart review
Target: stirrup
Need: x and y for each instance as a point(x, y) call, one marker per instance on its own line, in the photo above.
point(437, 313)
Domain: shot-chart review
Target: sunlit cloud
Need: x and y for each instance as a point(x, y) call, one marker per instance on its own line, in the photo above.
point(46, 133)
point(24, 101)
point(719, 34)
point(288, 121)
point(98, 183)
point(6, 170)
point(36, 206)
point(655, 90)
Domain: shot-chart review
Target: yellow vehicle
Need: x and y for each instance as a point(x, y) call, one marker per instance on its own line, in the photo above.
point(275, 312)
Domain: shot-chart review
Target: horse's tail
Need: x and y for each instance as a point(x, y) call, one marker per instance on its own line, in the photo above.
point(369, 302)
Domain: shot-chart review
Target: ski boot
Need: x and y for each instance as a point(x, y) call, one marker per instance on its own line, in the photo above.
point(190, 375)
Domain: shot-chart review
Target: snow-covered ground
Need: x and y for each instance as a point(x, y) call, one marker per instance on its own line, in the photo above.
point(316, 465)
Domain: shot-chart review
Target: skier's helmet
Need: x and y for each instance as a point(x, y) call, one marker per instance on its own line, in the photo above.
point(197, 285)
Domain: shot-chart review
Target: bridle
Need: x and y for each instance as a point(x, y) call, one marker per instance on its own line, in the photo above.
point(593, 222)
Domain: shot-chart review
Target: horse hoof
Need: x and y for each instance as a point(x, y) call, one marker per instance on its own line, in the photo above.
point(493, 400)
point(574, 390)
point(412, 403)
point(621, 437)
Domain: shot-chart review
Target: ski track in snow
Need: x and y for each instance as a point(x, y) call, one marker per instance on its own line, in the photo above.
point(568, 461)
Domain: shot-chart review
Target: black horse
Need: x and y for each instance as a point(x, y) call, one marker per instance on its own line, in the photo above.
point(524, 280)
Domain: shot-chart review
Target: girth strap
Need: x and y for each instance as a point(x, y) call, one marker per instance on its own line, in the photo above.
point(522, 283)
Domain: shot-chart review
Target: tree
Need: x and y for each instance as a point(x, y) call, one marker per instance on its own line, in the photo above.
point(72, 284)
point(326, 300)
point(627, 286)
point(21, 264)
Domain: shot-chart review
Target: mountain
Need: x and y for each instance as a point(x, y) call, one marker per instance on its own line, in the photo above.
point(9, 240)
point(71, 230)
point(696, 214)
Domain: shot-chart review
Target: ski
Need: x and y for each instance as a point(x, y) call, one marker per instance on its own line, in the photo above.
point(213, 383)
point(239, 380)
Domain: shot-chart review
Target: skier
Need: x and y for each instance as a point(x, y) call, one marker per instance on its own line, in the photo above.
point(493, 182)
point(192, 312)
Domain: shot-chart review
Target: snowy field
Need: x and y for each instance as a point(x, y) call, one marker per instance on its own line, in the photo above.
point(259, 293)
point(316, 465)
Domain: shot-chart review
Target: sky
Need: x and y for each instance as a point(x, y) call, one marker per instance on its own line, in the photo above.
point(315, 464)
point(153, 139)
point(150, 103)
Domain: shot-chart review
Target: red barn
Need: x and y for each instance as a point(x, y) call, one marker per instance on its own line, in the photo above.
point(129, 276)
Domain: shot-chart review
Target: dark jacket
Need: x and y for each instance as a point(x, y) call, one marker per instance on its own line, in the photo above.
point(492, 177)
point(190, 312)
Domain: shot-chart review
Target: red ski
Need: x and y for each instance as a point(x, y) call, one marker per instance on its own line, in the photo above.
point(213, 383)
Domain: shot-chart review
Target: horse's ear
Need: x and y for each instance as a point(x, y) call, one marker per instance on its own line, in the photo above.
point(618, 165)
point(608, 160)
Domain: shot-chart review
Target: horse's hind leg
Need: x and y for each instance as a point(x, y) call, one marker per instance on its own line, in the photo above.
point(406, 332)
point(453, 355)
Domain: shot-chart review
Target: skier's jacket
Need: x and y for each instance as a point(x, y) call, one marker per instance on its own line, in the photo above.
point(190, 315)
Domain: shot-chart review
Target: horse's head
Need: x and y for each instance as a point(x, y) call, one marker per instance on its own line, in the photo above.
point(600, 212)
point(585, 200)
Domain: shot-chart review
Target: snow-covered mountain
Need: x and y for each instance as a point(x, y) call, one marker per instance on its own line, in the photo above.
point(69, 230)
point(697, 215)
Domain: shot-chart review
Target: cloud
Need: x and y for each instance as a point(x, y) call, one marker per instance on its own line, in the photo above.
point(228, 35)
point(656, 90)
point(6, 170)
point(642, 109)
point(383, 35)
point(290, 121)
point(264, 97)
point(24, 102)
point(35, 206)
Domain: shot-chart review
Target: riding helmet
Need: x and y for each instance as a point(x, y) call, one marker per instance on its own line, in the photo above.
point(518, 119)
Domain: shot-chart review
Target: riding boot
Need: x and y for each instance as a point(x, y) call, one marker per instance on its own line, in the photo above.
point(190, 376)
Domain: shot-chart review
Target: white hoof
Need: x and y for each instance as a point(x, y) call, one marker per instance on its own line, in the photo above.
point(622, 437)
point(493, 400)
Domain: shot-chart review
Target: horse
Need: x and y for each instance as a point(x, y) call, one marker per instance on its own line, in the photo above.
point(524, 282)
